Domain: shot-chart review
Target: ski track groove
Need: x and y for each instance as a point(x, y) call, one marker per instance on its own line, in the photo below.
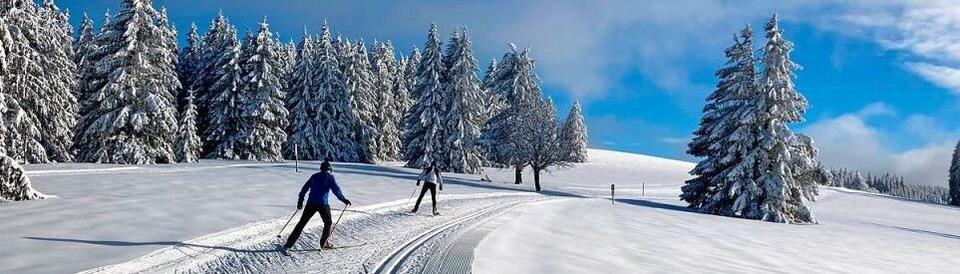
point(388, 231)
point(418, 250)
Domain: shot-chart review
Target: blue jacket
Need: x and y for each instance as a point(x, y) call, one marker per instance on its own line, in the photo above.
point(319, 185)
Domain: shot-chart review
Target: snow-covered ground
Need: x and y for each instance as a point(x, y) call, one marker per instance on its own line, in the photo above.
point(223, 216)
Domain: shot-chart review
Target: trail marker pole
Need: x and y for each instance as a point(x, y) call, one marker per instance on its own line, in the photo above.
point(643, 189)
point(612, 194)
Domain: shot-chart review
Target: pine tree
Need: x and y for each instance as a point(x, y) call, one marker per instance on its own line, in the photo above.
point(302, 103)
point(463, 109)
point(410, 71)
point(40, 78)
point(955, 177)
point(17, 135)
point(189, 65)
point(573, 136)
point(517, 85)
point(218, 102)
point(14, 183)
point(401, 92)
point(288, 60)
point(423, 129)
point(762, 184)
point(388, 111)
point(88, 77)
point(719, 121)
point(358, 80)
point(263, 122)
point(83, 49)
point(491, 102)
point(56, 107)
point(188, 142)
point(334, 117)
point(132, 118)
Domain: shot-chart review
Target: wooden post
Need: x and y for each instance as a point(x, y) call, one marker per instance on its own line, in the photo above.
point(612, 194)
point(296, 158)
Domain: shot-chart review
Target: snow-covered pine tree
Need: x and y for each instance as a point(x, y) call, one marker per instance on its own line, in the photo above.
point(491, 102)
point(401, 93)
point(334, 116)
point(358, 80)
point(189, 65)
point(218, 102)
point(132, 118)
point(762, 182)
point(33, 52)
point(410, 71)
point(463, 107)
point(14, 183)
point(17, 135)
point(573, 136)
point(387, 115)
point(169, 33)
point(718, 123)
point(263, 120)
point(955, 177)
point(87, 76)
point(517, 85)
point(288, 60)
point(83, 49)
point(302, 103)
point(188, 142)
point(56, 107)
point(540, 132)
point(423, 129)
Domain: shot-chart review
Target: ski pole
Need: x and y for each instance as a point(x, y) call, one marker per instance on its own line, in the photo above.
point(413, 193)
point(288, 222)
point(334, 228)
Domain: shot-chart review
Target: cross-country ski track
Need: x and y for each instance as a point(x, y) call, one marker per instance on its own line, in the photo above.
point(395, 241)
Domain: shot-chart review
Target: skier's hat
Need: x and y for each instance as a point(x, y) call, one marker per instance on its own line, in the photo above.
point(325, 166)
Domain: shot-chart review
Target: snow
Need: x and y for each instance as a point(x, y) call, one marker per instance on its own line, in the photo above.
point(859, 232)
point(222, 216)
point(114, 214)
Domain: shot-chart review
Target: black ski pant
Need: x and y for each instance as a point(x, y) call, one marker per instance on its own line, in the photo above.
point(308, 212)
point(433, 195)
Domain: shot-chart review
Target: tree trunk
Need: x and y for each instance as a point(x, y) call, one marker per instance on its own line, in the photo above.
point(536, 179)
point(518, 179)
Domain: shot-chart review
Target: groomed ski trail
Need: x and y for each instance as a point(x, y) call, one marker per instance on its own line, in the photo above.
point(397, 241)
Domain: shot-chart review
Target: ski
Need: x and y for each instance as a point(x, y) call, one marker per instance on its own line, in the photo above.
point(329, 248)
point(345, 246)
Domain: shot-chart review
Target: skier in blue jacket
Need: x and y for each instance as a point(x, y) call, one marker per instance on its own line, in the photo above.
point(319, 185)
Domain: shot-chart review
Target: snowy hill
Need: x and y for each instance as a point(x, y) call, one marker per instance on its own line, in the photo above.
point(223, 216)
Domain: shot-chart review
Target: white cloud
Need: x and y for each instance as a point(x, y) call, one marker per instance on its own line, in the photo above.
point(945, 77)
point(850, 141)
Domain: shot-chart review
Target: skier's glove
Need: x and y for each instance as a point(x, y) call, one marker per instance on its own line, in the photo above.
point(299, 206)
point(347, 202)
point(441, 187)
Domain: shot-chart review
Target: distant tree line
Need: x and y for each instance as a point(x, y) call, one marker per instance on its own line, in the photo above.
point(888, 184)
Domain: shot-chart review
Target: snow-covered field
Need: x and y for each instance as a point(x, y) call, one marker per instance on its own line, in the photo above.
point(223, 216)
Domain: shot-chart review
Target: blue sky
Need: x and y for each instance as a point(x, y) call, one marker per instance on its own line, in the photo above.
point(880, 76)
